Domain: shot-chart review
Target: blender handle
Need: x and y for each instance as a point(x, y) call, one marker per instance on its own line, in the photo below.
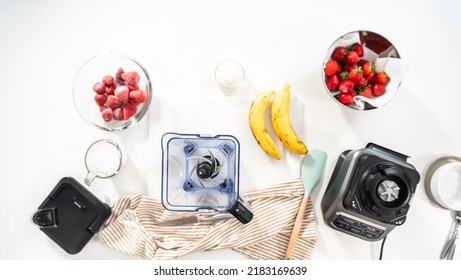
point(241, 211)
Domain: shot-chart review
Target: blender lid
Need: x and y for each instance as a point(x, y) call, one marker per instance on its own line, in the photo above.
point(70, 215)
point(200, 172)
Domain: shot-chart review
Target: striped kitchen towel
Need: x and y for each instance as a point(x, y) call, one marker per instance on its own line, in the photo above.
point(132, 228)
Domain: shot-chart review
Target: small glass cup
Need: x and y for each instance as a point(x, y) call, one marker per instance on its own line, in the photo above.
point(229, 75)
point(103, 159)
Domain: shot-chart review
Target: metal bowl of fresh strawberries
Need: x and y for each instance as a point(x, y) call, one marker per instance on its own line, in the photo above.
point(362, 70)
point(112, 91)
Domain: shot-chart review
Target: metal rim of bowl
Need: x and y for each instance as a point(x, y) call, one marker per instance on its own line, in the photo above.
point(433, 167)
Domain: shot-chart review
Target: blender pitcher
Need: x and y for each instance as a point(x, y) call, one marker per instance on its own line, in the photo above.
point(201, 173)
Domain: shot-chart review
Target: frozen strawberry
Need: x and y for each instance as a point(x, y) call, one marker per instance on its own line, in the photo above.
point(346, 98)
point(118, 114)
point(118, 74)
point(140, 96)
point(108, 80)
point(128, 111)
point(100, 99)
point(107, 114)
point(102, 108)
point(346, 86)
point(110, 90)
point(352, 58)
point(358, 48)
point(332, 82)
point(132, 87)
point(339, 54)
point(381, 78)
point(99, 88)
point(379, 89)
point(331, 68)
point(118, 83)
point(131, 77)
point(122, 93)
point(113, 102)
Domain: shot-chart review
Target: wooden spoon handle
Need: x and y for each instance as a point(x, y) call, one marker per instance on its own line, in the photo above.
point(296, 228)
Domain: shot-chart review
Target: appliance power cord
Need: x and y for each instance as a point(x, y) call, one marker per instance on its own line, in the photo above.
point(382, 248)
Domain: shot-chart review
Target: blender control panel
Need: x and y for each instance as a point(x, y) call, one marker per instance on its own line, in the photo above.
point(358, 228)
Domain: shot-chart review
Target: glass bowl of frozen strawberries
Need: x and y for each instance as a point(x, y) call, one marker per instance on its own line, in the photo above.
point(112, 91)
point(362, 70)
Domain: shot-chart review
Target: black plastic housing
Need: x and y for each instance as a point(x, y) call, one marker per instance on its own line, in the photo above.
point(70, 215)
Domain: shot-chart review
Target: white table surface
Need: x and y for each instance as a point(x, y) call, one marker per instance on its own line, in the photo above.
point(43, 138)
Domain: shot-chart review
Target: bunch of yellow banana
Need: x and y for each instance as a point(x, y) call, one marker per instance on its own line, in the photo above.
point(258, 127)
point(280, 121)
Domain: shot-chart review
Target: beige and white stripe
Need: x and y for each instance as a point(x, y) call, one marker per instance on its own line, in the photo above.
point(132, 228)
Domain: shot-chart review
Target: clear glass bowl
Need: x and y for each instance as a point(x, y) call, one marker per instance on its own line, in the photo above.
point(93, 71)
point(375, 47)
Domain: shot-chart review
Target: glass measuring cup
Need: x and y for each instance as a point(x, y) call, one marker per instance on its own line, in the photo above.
point(103, 159)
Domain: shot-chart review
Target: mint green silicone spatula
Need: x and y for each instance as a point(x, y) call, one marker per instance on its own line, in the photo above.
point(311, 173)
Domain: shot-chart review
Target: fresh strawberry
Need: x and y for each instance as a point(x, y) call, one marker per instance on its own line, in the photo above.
point(352, 58)
point(356, 74)
point(108, 80)
point(367, 92)
point(358, 48)
point(331, 68)
point(332, 82)
point(118, 114)
point(381, 78)
point(339, 54)
point(370, 77)
point(113, 102)
point(99, 88)
point(107, 114)
point(131, 77)
point(349, 67)
point(128, 111)
point(379, 89)
point(362, 81)
point(344, 75)
point(368, 68)
point(346, 98)
point(346, 86)
point(122, 93)
point(100, 99)
point(140, 96)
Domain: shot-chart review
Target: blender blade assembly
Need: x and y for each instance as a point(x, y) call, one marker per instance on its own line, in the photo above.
point(200, 173)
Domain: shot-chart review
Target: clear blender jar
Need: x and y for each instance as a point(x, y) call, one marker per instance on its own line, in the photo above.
point(201, 173)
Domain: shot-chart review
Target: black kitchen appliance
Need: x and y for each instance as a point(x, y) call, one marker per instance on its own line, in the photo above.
point(70, 215)
point(369, 192)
